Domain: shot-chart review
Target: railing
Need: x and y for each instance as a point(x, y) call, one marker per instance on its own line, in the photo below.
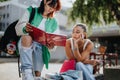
point(108, 59)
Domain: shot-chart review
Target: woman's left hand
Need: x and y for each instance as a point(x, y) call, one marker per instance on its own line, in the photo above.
point(94, 62)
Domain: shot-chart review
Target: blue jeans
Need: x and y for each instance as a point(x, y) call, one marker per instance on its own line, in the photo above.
point(31, 60)
point(87, 70)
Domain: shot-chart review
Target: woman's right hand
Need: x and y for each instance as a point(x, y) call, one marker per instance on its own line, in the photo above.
point(28, 28)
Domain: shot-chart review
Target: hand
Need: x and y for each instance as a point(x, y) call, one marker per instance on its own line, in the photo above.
point(50, 44)
point(81, 37)
point(75, 45)
point(28, 28)
point(100, 62)
point(95, 62)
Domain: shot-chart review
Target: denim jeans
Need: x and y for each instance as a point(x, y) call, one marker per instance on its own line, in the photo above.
point(31, 60)
point(87, 70)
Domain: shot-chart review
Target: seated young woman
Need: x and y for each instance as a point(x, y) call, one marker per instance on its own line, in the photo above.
point(79, 47)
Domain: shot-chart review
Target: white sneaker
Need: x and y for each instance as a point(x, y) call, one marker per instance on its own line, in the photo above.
point(27, 75)
point(50, 76)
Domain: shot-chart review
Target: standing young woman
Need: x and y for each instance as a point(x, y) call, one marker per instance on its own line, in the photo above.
point(33, 55)
point(79, 47)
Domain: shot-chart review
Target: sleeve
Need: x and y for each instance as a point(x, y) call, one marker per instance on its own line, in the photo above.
point(20, 26)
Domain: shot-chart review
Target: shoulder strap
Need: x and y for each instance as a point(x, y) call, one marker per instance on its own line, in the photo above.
point(72, 46)
point(86, 42)
point(71, 42)
point(32, 15)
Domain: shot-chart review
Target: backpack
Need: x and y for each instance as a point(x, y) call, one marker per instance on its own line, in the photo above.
point(10, 38)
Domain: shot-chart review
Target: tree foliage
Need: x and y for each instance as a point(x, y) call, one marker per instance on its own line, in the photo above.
point(3, 0)
point(96, 11)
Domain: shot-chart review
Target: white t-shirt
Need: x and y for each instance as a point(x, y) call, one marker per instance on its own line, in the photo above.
point(42, 24)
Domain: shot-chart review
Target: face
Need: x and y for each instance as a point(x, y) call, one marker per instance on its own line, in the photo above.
point(78, 33)
point(48, 8)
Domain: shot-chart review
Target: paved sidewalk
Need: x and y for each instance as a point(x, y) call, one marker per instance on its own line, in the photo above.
point(9, 71)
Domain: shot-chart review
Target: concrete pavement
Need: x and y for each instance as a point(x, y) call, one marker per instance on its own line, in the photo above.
point(9, 71)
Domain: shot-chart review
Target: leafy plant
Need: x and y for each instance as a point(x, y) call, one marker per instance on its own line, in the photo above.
point(3, 0)
point(95, 11)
